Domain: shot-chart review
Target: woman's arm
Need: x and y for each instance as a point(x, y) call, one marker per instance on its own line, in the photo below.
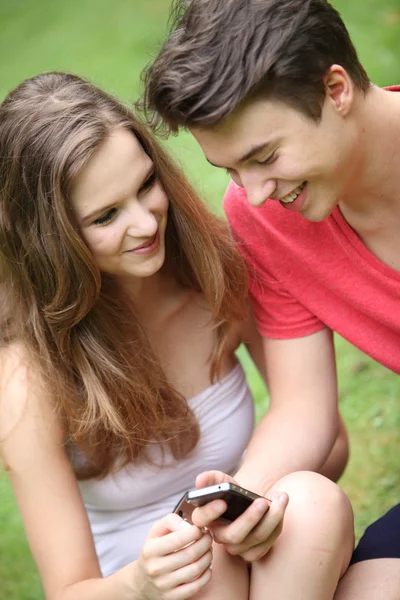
point(54, 516)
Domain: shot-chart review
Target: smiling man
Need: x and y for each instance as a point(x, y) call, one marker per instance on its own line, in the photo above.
point(274, 93)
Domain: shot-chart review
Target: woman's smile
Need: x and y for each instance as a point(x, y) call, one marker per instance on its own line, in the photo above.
point(148, 247)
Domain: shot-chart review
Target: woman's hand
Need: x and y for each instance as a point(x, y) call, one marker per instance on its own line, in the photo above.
point(252, 534)
point(175, 561)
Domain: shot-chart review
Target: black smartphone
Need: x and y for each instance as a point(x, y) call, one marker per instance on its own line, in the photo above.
point(238, 499)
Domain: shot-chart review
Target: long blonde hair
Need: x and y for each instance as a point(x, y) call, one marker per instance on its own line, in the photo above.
point(92, 352)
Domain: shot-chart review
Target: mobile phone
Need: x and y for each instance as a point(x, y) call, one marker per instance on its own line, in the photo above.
point(238, 499)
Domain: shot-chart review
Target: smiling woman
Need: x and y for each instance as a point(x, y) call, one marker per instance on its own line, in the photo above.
point(67, 150)
point(121, 208)
point(106, 252)
point(119, 385)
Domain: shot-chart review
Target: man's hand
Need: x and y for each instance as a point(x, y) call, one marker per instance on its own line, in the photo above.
point(253, 533)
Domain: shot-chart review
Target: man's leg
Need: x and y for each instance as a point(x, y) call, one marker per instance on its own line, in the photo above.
point(375, 570)
point(377, 579)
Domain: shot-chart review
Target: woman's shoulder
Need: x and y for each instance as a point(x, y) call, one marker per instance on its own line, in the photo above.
point(17, 366)
point(14, 367)
point(25, 407)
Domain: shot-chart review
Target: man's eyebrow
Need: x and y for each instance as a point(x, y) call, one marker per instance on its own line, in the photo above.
point(252, 152)
point(107, 207)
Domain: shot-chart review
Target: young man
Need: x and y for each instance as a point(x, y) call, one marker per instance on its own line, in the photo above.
point(273, 92)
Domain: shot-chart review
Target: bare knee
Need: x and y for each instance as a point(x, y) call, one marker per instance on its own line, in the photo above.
point(319, 512)
point(315, 498)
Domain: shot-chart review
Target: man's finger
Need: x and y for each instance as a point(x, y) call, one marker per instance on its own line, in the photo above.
point(212, 478)
point(240, 536)
point(239, 530)
point(257, 552)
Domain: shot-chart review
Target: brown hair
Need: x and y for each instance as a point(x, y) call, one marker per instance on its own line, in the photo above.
point(221, 53)
point(92, 352)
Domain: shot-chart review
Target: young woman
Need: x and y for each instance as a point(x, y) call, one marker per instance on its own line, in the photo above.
point(123, 303)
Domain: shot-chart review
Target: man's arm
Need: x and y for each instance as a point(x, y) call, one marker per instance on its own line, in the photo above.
point(297, 433)
point(301, 425)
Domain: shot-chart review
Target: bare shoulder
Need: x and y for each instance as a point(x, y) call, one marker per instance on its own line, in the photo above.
point(13, 358)
point(14, 384)
point(26, 410)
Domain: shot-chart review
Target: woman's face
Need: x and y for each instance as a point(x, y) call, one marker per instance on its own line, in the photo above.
point(121, 208)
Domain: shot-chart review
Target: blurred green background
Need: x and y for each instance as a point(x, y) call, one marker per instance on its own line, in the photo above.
point(110, 41)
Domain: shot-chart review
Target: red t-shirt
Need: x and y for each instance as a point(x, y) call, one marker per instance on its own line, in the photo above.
point(305, 276)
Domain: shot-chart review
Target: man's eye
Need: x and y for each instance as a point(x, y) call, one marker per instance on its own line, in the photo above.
point(148, 184)
point(270, 159)
point(106, 217)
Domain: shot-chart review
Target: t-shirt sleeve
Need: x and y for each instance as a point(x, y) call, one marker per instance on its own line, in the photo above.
point(278, 313)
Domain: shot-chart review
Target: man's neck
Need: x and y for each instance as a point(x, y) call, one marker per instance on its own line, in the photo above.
point(374, 195)
point(372, 206)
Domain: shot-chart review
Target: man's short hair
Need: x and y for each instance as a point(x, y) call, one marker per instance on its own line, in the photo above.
point(220, 53)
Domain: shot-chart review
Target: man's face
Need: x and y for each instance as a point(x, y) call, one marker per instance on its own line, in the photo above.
point(275, 152)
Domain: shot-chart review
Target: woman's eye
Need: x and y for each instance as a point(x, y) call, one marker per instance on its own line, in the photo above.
point(148, 184)
point(106, 217)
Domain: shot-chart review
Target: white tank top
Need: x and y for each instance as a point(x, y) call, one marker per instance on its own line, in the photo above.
point(123, 506)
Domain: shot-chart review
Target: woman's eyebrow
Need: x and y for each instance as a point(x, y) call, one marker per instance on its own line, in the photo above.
point(87, 218)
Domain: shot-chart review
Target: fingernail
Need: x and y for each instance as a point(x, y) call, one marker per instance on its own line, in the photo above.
point(283, 499)
point(185, 523)
point(211, 566)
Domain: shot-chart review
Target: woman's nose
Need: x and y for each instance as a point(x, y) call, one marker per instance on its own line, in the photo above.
point(141, 222)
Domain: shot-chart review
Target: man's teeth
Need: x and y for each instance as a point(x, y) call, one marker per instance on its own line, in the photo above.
point(293, 195)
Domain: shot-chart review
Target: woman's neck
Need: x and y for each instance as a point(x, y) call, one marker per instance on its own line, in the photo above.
point(154, 298)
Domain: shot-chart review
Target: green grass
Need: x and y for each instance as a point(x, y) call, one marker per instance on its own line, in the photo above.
point(110, 41)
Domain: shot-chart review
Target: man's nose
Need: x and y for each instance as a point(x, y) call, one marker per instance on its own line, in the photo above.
point(258, 190)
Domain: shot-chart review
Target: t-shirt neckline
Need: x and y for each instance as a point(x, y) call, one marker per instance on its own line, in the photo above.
point(354, 239)
point(366, 254)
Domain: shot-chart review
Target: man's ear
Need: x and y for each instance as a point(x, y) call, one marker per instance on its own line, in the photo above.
point(339, 89)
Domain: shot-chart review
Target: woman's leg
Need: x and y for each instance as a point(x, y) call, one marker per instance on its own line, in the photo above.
point(230, 578)
point(315, 546)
